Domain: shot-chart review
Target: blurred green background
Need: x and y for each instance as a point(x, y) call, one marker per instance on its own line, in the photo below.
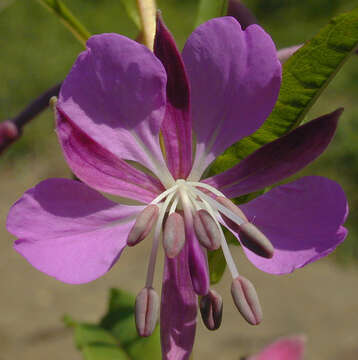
point(36, 52)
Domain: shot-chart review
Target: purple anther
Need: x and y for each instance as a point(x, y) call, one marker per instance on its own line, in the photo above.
point(174, 235)
point(211, 309)
point(146, 311)
point(143, 225)
point(206, 230)
point(246, 300)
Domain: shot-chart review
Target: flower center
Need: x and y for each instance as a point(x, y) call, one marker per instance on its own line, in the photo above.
point(191, 211)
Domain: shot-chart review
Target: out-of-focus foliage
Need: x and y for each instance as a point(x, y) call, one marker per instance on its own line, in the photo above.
point(115, 337)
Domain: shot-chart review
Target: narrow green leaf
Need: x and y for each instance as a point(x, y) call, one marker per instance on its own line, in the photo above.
point(87, 334)
point(130, 6)
point(217, 265)
point(305, 75)
point(104, 352)
point(209, 9)
point(67, 18)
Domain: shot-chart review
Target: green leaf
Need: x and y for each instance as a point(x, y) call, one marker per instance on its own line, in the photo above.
point(217, 265)
point(305, 75)
point(87, 334)
point(115, 337)
point(67, 18)
point(209, 9)
point(104, 352)
point(130, 6)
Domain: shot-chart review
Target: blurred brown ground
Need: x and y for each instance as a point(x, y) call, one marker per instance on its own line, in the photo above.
point(319, 301)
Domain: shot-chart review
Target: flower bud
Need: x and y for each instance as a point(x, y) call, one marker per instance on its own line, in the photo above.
point(246, 300)
point(206, 230)
point(143, 225)
point(174, 235)
point(146, 311)
point(211, 309)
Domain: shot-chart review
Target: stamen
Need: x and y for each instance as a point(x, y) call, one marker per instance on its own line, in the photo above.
point(174, 235)
point(206, 186)
point(217, 206)
point(143, 225)
point(246, 300)
point(206, 230)
point(157, 231)
point(211, 309)
point(224, 246)
point(250, 236)
point(146, 311)
point(159, 198)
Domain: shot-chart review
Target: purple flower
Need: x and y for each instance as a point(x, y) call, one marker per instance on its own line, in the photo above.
point(126, 119)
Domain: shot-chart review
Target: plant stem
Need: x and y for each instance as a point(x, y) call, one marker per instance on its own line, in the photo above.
point(11, 130)
point(147, 11)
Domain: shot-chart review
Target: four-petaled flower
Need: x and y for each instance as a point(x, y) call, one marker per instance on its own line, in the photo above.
point(126, 119)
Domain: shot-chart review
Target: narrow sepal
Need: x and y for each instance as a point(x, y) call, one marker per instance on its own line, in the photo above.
point(176, 127)
point(278, 159)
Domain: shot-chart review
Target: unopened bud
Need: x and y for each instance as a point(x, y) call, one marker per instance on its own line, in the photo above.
point(146, 311)
point(252, 238)
point(143, 225)
point(246, 300)
point(174, 235)
point(206, 230)
point(211, 309)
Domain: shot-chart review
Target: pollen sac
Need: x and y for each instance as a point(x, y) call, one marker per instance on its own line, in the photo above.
point(246, 300)
point(143, 225)
point(211, 309)
point(206, 230)
point(235, 209)
point(146, 311)
point(252, 238)
point(174, 235)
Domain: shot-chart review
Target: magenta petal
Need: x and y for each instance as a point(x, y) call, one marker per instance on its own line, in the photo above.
point(115, 93)
point(178, 309)
point(303, 220)
point(288, 348)
point(99, 168)
point(176, 127)
point(235, 79)
point(278, 159)
point(69, 231)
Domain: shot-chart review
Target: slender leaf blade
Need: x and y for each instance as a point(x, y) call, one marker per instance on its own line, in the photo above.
point(217, 265)
point(67, 18)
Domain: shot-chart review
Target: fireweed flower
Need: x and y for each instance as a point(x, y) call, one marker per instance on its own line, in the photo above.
point(126, 118)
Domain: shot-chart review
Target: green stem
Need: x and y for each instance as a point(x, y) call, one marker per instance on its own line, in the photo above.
point(68, 19)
